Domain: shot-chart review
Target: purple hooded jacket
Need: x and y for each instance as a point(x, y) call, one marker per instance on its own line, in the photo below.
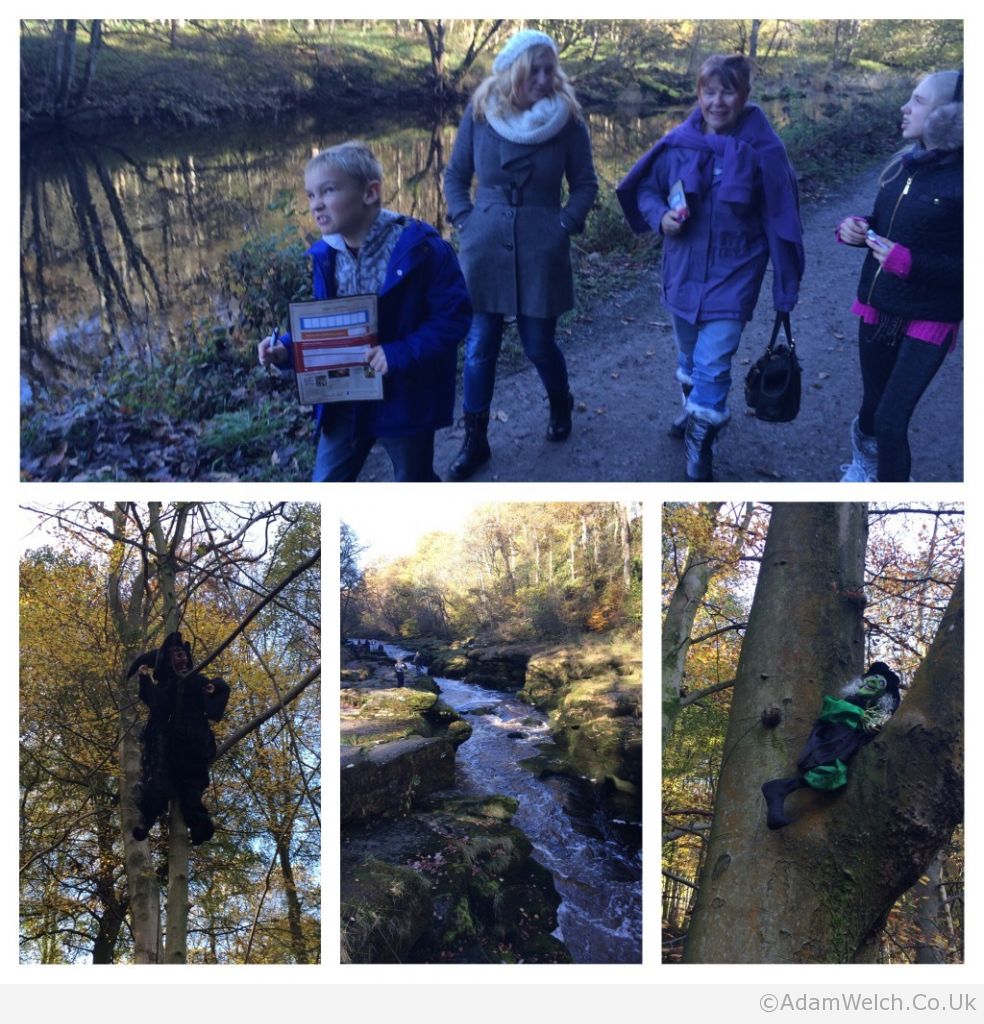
point(739, 217)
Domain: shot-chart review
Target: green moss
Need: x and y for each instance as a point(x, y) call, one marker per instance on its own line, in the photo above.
point(461, 927)
point(384, 908)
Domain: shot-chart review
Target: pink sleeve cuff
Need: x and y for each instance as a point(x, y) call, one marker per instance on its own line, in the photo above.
point(898, 261)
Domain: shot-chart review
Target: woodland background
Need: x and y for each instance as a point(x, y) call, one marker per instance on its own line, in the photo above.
point(773, 606)
point(105, 583)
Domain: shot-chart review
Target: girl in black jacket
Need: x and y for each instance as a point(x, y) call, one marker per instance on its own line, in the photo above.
point(910, 296)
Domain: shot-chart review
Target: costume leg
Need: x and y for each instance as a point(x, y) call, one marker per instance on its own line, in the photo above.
point(190, 787)
point(915, 366)
point(775, 793)
point(151, 804)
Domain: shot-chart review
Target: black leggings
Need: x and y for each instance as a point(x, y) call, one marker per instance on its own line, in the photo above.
point(895, 377)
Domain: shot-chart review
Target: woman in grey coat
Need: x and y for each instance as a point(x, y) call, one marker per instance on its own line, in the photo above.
point(520, 136)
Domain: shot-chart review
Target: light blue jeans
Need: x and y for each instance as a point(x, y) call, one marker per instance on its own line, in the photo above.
point(704, 352)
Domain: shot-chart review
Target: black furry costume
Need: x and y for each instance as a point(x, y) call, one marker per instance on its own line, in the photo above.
point(177, 742)
point(845, 725)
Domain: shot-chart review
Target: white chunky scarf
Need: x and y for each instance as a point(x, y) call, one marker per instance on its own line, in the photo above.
point(541, 122)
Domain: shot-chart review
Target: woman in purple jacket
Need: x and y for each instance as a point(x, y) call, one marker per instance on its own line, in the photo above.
point(720, 190)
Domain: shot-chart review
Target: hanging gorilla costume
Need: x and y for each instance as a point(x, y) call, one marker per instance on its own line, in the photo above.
point(177, 741)
point(845, 725)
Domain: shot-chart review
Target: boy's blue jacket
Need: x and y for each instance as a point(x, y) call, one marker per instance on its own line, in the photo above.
point(424, 312)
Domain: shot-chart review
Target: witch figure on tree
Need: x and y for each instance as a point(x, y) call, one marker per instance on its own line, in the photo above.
point(846, 724)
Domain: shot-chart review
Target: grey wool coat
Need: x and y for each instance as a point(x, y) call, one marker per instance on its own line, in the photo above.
point(514, 235)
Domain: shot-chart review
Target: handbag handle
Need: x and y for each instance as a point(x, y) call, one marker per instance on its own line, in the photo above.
point(782, 320)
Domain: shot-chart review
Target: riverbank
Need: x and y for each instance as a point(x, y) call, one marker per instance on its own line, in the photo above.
point(166, 72)
point(591, 691)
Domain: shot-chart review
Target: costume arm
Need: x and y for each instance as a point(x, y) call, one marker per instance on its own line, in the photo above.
point(581, 179)
point(459, 172)
point(146, 688)
point(215, 702)
point(447, 317)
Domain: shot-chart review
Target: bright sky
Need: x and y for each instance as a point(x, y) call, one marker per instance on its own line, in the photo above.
point(390, 531)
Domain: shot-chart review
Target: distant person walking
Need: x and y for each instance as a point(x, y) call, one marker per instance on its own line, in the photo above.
point(720, 190)
point(910, 295)
point(520, 136)
point(400, 668)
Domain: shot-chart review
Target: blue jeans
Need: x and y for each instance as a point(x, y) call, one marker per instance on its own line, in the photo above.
point(342, 452)
point(704, 352)
point(482, 350)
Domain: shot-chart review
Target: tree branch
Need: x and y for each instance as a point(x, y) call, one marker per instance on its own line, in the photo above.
point(292, 694)
point(257, 608)
point(680, 879)
point(692, 698)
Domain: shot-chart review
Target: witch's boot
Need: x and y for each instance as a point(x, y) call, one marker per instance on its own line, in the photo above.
point(701, 430)
point(775, 793)
point(863, 466)
point(561, 406)
point(475, 451)
point(679, 426)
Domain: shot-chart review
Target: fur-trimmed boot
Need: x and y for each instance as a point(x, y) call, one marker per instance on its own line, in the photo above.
point(679, 426)
point(701, 430)
point(475, 450)
point(561, 407)
point(775, 793)
point(864, 453)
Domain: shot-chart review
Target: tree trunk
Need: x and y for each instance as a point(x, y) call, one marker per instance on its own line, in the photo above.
point(127, 610)
point(293, 903)
point(753, 38)
point(931, 945)
point(95, 42)
point(625, 541)
point(178, 905)
point(679, 619)
point(65, 67)
point(820, 889)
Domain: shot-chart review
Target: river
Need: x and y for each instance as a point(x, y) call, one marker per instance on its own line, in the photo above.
point(595, 859)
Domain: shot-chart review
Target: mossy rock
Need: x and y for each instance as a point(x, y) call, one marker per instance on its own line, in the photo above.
point(388, 778)
point(385, 908)
point(490, 901)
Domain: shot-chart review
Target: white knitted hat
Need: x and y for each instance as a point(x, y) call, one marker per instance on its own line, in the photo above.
point(518, 44)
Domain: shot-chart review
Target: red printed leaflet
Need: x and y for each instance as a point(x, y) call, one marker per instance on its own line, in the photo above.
point(331, 342)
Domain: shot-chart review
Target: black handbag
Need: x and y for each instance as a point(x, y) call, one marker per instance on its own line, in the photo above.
point(773, 384)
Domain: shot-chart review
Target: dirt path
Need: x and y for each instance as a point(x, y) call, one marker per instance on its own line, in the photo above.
point(621, 369)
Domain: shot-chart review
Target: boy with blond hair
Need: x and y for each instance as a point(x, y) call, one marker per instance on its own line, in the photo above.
point(423, 313)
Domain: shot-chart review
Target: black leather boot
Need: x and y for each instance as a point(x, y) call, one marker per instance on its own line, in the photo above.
point(561, 406)
point(698, 439)
point(679, 425)
point(775, 793)
point(475, 451)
